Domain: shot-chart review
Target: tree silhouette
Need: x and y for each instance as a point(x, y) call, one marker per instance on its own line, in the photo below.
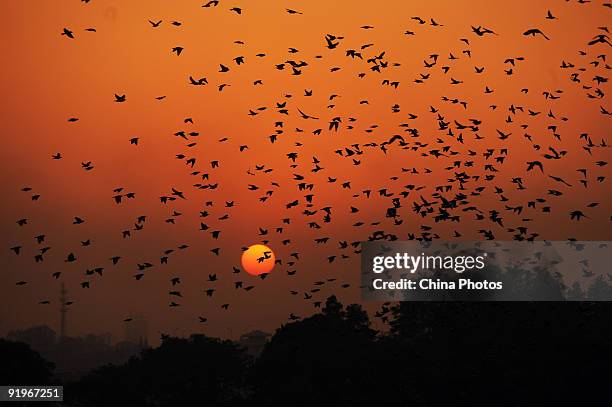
point(328, 357)
point(20, 365)
point(575, 293)
point(179, 372)
point(452, 353)
point(512, 351)
point(600, 290)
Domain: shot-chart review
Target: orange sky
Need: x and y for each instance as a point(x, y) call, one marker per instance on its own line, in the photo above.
point(48, 78)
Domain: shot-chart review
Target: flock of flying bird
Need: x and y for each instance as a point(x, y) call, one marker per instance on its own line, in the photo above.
point(472, 167)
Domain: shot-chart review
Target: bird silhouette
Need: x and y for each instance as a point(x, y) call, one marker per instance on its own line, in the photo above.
point(344, 136)
point(535, 31)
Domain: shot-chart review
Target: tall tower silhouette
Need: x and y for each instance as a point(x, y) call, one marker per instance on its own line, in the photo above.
point(63, 311)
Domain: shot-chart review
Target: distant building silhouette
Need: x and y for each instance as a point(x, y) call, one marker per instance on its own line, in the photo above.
point(137, 332)
point(254, 341)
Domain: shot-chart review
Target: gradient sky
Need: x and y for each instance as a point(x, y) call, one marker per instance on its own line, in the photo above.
point(48, 78)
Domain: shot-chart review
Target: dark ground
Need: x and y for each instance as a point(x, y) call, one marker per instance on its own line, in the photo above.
point(434, 353)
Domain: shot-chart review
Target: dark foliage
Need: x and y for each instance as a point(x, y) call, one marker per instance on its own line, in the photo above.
point(325, 358)
point(20, 365)
point(435, 353)
point(177, 373)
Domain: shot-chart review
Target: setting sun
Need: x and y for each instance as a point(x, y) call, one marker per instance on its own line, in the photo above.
point(258, 259)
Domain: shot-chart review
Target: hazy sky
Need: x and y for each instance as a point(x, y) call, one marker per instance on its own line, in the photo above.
point(49, 78)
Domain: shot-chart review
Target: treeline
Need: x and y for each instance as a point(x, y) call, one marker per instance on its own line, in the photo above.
point(433, 353)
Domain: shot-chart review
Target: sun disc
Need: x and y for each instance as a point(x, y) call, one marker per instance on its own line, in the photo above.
point(258, 259)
